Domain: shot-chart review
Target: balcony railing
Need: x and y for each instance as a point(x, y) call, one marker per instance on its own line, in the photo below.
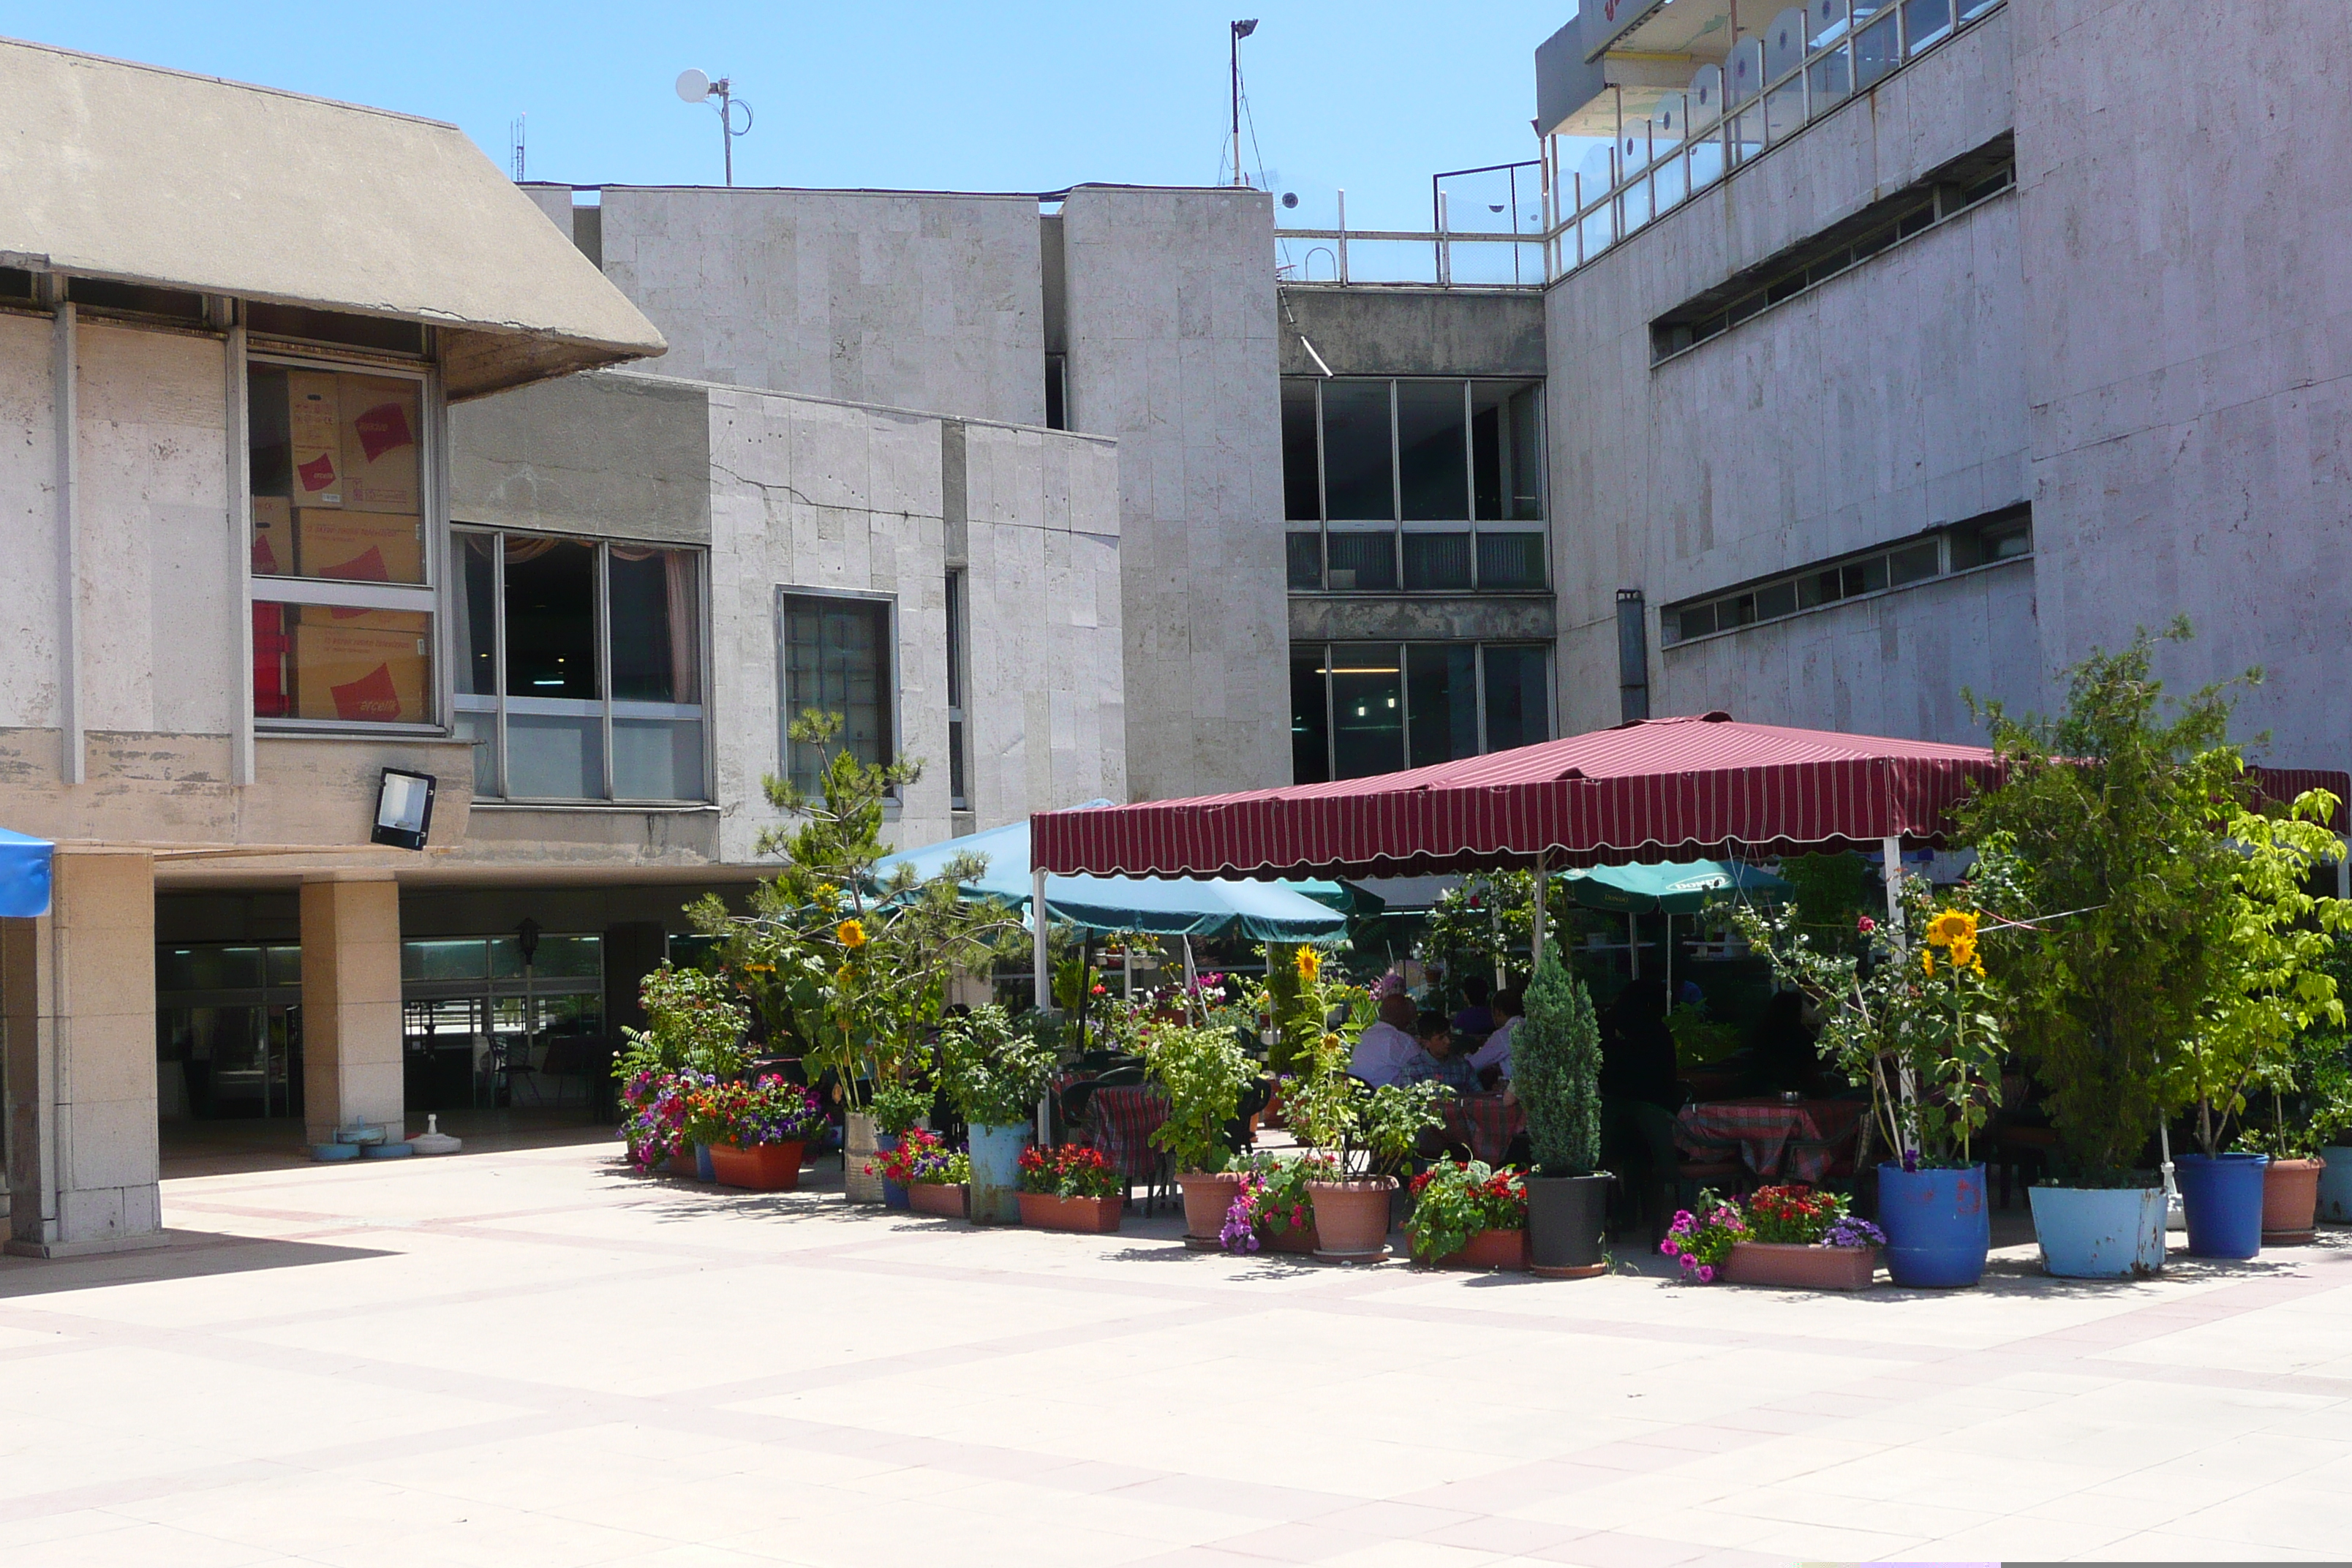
point(1456, 252)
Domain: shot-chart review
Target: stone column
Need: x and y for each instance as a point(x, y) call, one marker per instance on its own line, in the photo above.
point(77, 988)
point(351, 1005)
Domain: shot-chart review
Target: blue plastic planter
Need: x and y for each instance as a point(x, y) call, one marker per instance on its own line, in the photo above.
point(2335, 1186)
point(702, 1170)
point(1937, 1229)
point(2222, 1195)
point(996, 1174)
point(894, 1194)
point(2099, 1233)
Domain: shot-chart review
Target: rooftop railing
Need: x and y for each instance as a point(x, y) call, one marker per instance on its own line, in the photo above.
point(1485, 234)
point(1811, 59)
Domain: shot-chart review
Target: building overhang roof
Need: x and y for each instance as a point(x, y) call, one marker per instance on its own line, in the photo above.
point(135, 173)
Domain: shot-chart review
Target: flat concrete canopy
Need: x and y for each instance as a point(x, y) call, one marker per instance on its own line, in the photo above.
point(144, 175)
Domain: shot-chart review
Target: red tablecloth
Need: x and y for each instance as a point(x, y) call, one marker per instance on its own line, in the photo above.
point(1774, 1139)
point(1120, 1122)
point(1485, 1122)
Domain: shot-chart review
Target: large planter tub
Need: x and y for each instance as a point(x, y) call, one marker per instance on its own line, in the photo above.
point(2099, 1233)
point(996, 1173)
point(2222, 1195)
point(1793, 1267)
point(1937, 1227)
point(947, 1200)
point(762, 1168)
point(1088, 1216)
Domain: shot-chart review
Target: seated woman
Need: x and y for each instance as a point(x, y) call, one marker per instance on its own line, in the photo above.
point(1492, 1060)
point(1782, 1055)
point(1435, 1061)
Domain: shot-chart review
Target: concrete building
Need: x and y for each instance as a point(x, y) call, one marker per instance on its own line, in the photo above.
point(1932, 346)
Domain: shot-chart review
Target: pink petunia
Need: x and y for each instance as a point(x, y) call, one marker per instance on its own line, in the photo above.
point(1669, 1247)
point(1706, 1273)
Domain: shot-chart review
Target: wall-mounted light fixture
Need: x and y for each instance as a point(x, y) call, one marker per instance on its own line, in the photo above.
point(403, 808)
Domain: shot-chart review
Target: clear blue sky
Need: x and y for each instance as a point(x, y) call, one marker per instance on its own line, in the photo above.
point(1372, 96)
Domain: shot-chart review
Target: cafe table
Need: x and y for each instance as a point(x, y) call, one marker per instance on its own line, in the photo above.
point(1779, 1138)
point(1485, 1122)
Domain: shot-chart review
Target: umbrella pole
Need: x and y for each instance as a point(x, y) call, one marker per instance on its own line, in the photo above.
point(1536, 938)
point(1670, 960)
point(1192, 978)
point(1038, 939)
point(1126, 966)
point(1891, 850)
point(1634, 944)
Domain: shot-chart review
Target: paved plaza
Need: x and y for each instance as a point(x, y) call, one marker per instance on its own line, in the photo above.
point(527, 1355)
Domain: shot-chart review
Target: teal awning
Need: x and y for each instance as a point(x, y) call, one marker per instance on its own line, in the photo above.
point(24, 875)
point(1672, 887)
point(1162, 906)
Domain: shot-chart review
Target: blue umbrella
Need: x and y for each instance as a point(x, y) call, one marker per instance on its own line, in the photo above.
point(24, 875)
point(1265, 911)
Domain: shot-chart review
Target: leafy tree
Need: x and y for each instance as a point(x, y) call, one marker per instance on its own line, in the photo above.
point(1555, 1072)
point(2104, 845)
point(1204, 1071)
point(992, 1069)
point(693, 1024)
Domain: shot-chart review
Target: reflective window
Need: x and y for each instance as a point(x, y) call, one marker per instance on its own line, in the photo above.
point(1442, 685)
point(1363, 561)
point(1363, 708)
point(1359, 481)
point(1437, 561)
point(1432, 456)
point(1367, 711)
point(1310, 718)
point(837, 661)
point(1518, 699)
point(1302, 496)
point(1998, 536)
point(601, 648)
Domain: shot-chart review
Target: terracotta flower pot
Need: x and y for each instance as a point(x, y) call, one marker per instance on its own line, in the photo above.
point(1351, 1219)
point(857, 1151)
point(1293, 1238)
point(764, 1168)
point(1795, 1268)
point(1489, 1250)
point(2290, 1201)
point(1207, 1196)
point(945, 1199)
point(1088, 1216)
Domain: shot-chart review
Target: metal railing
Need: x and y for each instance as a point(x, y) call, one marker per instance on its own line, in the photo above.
point(1810, 60)
point(1443, 257)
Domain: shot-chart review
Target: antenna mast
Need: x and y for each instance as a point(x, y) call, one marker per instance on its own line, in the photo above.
point(515, 136)
point(1241, 30)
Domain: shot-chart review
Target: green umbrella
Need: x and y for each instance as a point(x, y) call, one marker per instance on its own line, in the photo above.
point(1672, 886)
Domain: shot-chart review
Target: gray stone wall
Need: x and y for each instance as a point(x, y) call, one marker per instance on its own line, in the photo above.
point(1172, 349)
point(2185, 234)
point(1884, 401)
point(1396, 331)
point(617, 455)
point(914, 299)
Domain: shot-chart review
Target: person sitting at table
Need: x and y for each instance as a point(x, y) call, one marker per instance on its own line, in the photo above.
point(1637, 1049)
point(1492, 1060)
point(1433, 1061)
point(1781, 1056)
point(1382, 1050)
point(1477, 1019)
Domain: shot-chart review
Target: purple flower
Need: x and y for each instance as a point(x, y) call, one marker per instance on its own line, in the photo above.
point(1706, 1273)
point(1669, 1246)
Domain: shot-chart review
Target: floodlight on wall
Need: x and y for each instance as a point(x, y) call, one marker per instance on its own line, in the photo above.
point(697, 86)
point(403, 808)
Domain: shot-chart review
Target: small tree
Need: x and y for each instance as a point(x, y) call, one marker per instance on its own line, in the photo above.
point(693, 1024)
point(2104, 842)
point(1371, 1128)
point(1204, 1070)
point(992, 1069)
point(1555, 1072)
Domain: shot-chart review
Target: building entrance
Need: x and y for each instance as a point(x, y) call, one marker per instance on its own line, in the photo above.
point(228, 1031)
point(485, 1026)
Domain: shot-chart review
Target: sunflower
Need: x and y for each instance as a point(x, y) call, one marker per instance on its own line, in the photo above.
point(1954, 929)
point(1311, 964)
point(1927, 960)
point(852, 934)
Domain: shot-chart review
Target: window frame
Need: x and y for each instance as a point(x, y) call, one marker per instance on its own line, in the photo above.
point(498, 702)
point(428, 599)
point(786, 711)
point(1328, 652)
point(1469, 526)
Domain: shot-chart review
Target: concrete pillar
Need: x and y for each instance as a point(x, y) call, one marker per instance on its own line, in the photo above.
point(350, 1006)
point(77, 990)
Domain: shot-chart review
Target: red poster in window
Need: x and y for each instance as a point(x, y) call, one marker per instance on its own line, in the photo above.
point(270, 699)
point(382, 429)
point(372, 696)
point(317, 474)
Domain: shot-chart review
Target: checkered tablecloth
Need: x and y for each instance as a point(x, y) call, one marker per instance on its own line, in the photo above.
point(1772, 1138)
point(1486, 1122)
point(1120, 1122)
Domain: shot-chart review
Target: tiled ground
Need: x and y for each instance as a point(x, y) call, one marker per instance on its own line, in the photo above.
point(530, 1356)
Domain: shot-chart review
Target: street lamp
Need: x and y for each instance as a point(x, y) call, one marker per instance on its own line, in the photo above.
point(1241, 30)
point(695, 87)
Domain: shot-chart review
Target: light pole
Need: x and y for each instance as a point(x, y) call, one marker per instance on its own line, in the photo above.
point(1241, 30)
point(694, 86)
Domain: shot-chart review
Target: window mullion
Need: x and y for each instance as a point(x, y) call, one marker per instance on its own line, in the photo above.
point(604, 659)
point(498, 657)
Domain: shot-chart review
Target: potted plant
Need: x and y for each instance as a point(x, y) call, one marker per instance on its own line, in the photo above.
point(936, 1177)
point(995, 1073)
point(1469, 1216)
point(1915, 1022)
point(1202, 1070)
point(2101, 840)
point(2273, 984)
point(1274, 1208)
point(693, 1037)
point(1070, 1187)
point(756, 1131)
point(896, 1109)
point(1556, 1074)
point(1795, 1237)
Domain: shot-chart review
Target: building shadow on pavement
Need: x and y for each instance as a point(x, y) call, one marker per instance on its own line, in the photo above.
point(186, 1255)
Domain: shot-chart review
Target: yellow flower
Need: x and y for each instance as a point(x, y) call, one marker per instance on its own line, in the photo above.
point(845, 976)
point(760, 968)
point(1954, 929)
point(1927, 960)
point(852, 934)
point(1310, 963)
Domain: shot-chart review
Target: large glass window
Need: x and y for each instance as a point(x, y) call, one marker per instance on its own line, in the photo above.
point(343, 618)
point(959, 786)
point(579, 667)
point(837, 659)
point(1434, 486)
point(1358, 709)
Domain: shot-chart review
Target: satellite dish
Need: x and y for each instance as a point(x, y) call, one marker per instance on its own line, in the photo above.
point(693, 86)
point(1290, 198)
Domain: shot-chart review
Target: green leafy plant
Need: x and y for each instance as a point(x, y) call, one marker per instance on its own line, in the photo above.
point(1069, 1170)
point(693, 1024)
point(1453, 1202)
point(993, 1070)
point(896, 1107)
point(2104, 845)
point(1556, 1073)
point(1204, 1070)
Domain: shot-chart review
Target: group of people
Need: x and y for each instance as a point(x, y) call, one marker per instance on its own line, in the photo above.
point(1467, 1053)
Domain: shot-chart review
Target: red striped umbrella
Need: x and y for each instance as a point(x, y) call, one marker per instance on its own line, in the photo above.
point(1663, 789)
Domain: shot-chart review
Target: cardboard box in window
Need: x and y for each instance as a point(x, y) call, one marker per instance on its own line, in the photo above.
point(360, 674)
point(362, 546)
point(273, 536)
point(379, 444)
point(315, 430)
